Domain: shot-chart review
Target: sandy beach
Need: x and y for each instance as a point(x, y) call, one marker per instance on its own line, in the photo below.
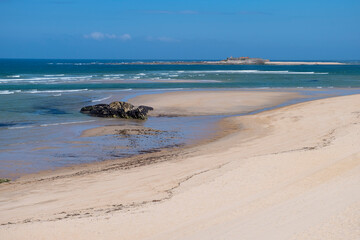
point(197, 103)
point(289, 63)
point(288, 173)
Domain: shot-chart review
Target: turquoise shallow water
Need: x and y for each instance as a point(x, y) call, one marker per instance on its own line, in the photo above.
point(42, 131)
point(40, 123)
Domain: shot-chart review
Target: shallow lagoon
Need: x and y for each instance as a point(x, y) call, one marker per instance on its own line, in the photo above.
point(40, 123)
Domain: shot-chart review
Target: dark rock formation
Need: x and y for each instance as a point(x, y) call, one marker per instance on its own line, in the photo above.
point(117, 110)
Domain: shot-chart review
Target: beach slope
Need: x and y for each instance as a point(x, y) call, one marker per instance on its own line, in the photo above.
point(288, 173)
point(225, 102)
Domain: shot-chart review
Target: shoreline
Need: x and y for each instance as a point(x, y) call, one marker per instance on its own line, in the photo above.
point(218, 175)
point(141, 131)
point(271, 63)
point(290, 96)
point(212, 102)
point(287, 63)
point(119, 139)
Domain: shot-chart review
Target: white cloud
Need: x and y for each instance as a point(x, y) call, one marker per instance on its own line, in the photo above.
point(125, 37)
point(95, 35)
point(110, 36)
point(101, 36)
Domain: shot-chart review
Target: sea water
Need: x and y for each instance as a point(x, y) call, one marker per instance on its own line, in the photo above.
point(40, 123)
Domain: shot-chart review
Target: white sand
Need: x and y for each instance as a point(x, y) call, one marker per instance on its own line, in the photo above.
point(211, 102)
point(304, 63)
point(290, 173)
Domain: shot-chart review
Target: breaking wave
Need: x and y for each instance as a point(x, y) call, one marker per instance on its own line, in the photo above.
point(248, 72)
point(101, 99)
point(55, 91)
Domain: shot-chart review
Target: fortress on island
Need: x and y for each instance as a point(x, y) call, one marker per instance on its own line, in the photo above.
point(245, 60)
point(227, 61)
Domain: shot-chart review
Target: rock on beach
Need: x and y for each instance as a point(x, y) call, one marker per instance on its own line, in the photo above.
point(117, 110)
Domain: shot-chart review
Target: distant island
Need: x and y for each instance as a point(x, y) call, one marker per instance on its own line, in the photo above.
point(230, 61)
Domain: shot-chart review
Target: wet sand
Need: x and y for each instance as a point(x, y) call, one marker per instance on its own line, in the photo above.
point(119, 130)
point(288, 173)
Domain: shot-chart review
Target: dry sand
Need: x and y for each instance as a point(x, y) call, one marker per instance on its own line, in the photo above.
point(304, 63)
point(290, 173)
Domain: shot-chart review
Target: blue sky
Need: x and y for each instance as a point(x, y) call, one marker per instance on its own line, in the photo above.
point(175, 29)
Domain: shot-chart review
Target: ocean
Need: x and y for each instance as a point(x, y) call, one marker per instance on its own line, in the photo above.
point(40, 123)
point(31, 76)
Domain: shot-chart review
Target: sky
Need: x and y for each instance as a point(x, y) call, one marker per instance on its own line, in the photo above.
point(180, 29)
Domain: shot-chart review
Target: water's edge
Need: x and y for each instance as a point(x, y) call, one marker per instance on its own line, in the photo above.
point(111, 147)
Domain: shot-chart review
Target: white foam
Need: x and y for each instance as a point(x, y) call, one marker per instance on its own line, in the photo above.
point(101, 99)
point(25, 79)
point(48, 78)
point(166, 89)
point(20, 127)
point(251, 72)
point(56, 91)
point(51, 124)
point(113, 75)
point(11, 80)
point(54, 75)
point(128, 89)
point(6, 92)
point(75, 77)
point(65, 123)
point(13, 76)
